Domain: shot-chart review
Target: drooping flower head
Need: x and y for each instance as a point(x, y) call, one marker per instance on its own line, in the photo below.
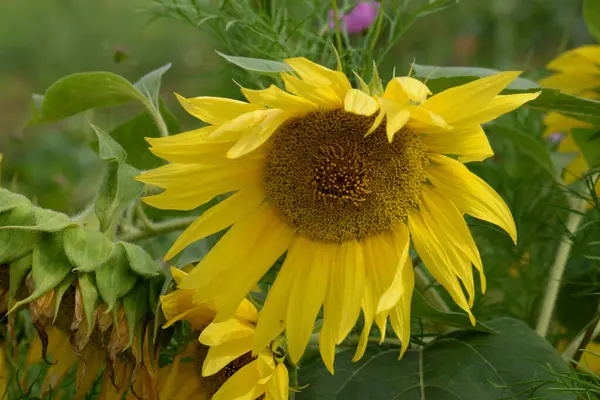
point(341, 179)
point(359, 19)
point(226, 368)
point(576, 72)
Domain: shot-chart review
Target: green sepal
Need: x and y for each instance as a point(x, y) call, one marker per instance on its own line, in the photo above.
point(60, 291)
point(375, 85)
point(86, 249)
point(18, 269)
point(16, 243)
point(140, 262)
point(89, 294)
point(49, 267)
point(115, 278)
point(136, 307)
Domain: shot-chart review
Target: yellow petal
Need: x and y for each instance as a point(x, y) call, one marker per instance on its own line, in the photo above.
point(571, 83)
point(400, 314)
point(278, 386)
point(459, 102)
point(397, 116)
point(234, 129)
point(180, 305)
point(216, 110)
point(219, 333)
point(498, 106)
point(197, 153)
point(470, 194)
point(273, 314)
point(272, 241)
point(405, 89)
point(221, 355)
point(241, 386)
point(378, 120)
point(319, 75)
point(62, 355)
point(184, 138)
point(323, 96)
point(556, 122)
point(470, 143)
point(247, 312)
point(327, 345)
point(218, 217)
point(450, 245)
point(368, 308)
point(351, 281)
point(451, 222)
point(584, 59)
point(259, 134)
point(178, 275)
point(425, 121)
point(266, 365)
point(436, 260)
point(187, 195)
point(274, 97)
point(306, 299)
point(360, 103)
point(394, 292)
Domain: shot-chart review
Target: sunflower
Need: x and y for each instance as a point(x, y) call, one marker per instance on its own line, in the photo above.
point(340, 179)
point(229, 370)
point(576, 72)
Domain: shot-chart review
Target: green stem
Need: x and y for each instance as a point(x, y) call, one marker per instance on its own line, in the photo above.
point(157, 229)
point(558, 268)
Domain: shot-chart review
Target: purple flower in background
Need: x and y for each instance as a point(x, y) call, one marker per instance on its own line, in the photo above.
point(359, 19)
point(556, 137)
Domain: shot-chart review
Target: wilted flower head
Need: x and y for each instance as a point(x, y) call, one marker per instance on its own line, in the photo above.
point(359, 19)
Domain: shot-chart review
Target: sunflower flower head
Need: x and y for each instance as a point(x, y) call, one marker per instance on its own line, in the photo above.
point(341, 180)
point(229, 369)
point(576, 72)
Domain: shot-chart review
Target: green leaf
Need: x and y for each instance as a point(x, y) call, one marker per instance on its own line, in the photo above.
point(131, 136)
point(465, 365)
point(114, 278)
point(591, 14)
point(15, 243)
point(10, 200)
point(49, 266)
point(136, 307)
point(149, 84)
point(79, 92)
point(18, 269)
point(45, 221)
point(441, 78)
point(140, 262)
point(90, 295)
point(535, 149)
point(258, 65)
point(108, 148)
point(86, 249)
point(589, 144)
point(421, 307)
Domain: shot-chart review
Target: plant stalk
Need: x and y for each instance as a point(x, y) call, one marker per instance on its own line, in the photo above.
point(423, 284)
point(558, 268)
point(159, 228)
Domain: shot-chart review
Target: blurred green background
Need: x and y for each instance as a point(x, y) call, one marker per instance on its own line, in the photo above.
point(44, 40)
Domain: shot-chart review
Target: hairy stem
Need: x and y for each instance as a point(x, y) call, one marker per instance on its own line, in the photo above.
point(159, 228)
point(423, 284)
point(557, 270)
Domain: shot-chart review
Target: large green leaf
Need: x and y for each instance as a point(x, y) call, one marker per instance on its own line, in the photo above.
point(86, 249)
point(591, 13)
point(441, 78)
point(15, 243)
point(114, 278)
point(10, 200)
point(466, 365)
point(79, 92)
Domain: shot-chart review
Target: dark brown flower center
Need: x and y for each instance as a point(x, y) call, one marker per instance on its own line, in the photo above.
point(333, 184)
